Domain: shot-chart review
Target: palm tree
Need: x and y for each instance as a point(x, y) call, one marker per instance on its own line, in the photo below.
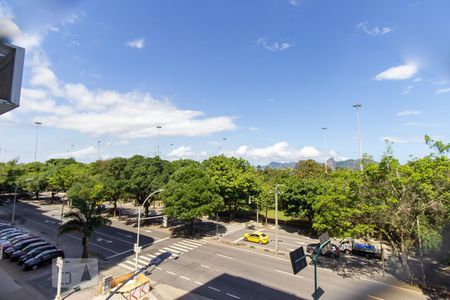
point(86, 218)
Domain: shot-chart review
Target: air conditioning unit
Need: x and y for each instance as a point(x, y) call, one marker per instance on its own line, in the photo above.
point(11, 69)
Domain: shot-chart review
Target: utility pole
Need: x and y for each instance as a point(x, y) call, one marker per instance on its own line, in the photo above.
point(59, 265)
point(37, 137)
point(159, 134)
point(357, 107)
point(324, 130)
point(98, 150)
point(276, 216)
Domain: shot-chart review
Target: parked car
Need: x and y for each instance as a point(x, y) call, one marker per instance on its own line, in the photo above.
point(256, 237)
point(44, 258)
point(19, 246)
point(34, 252)
point(333, 252)
point(4, 226)
point(6, 230)
point(18, 253)
point(10, 235)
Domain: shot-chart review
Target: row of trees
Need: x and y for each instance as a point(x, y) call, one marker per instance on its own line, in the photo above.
point(407, 205)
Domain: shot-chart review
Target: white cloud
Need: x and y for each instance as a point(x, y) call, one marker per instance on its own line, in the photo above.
point(278, 152)
point(136, 43)
point(186, 152)
point(96, 112)
point(294, 2)
point(443, 91)
point(181, 152)
point(88, 152)
point(273, 47)
point(398, 73)
point(400, 140)
point(407, 89)
point(253, 128)
point(375, 31)
point(409, 113)
point(423, 125)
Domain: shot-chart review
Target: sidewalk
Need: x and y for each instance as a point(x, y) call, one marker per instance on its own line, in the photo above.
point(10, 289)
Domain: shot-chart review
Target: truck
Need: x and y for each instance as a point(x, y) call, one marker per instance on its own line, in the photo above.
point(352, 246)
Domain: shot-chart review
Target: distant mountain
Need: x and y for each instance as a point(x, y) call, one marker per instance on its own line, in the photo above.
point(281, 165)
point(351, 164)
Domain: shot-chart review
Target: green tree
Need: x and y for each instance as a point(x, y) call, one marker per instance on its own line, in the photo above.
point(309, 168)
point(191, 194)
point(85, 196)
point(235, 178)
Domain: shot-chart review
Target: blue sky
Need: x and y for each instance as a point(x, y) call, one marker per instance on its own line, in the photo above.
point(265, 75)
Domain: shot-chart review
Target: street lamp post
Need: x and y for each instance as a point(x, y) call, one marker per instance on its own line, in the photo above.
point(98, 149)
point(37, 137)
point(250, 198)
point(324, 130)
point(159, 134)
point(137, 249)
point(276, 216)
point(14, 205)
point(357, 107)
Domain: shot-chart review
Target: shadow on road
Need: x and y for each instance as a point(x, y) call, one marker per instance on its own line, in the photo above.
point(219, 288)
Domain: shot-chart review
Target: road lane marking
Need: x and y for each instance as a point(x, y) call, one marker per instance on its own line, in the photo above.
point(148, 256)
point(184, 247)
point(301, 243)
point(198, 282)
point(93, 244)
point(126, 267)
point(244, 250)
point(375, 297)
point(149, 231)
point(224, 256)
point(126, 251)
point(116, 238)
point(162, 240)
point(233, 296)
point(213, 288)
point(185, 278)
point(279, 271)
point(125, 235)
point(205, 266)
point(158, 268)
point(290, 249)
point(239, 239)
point(171, 273)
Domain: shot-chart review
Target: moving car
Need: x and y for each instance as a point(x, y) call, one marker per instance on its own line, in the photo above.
point(256, 237)
point(44, 258)
point(18, 253)
point(333, 252)
point(34, 252)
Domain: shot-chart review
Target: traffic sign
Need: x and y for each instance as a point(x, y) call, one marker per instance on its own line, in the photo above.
point(298, 260)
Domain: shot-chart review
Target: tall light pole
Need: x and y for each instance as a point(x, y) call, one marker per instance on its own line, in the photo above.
point(357, 107)
point(98, 149)
point(137, 249)
point(277, 192)
point(324, 130)
point(37, 137)
point(159, 135)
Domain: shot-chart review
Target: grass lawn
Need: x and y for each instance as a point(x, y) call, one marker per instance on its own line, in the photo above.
point(271, 215)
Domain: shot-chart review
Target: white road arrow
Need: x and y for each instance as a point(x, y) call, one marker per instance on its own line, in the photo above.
point(48, 221)
point(103, 240)
point(125, 235)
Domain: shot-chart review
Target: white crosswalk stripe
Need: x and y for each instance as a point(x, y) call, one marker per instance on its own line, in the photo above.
point(172, 250)
point(175, 246)
point(196, 243)
point(175, 250)
point(188, 246)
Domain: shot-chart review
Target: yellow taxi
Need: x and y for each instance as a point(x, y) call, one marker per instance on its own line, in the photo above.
point(256, 237)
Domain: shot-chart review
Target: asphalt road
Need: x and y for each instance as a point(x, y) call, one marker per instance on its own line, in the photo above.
point(207, 267)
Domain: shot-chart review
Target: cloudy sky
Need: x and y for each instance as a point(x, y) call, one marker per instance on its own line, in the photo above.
point(256, 79)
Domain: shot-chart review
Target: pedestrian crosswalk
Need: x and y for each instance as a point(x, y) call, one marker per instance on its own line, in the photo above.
point(176, 249)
